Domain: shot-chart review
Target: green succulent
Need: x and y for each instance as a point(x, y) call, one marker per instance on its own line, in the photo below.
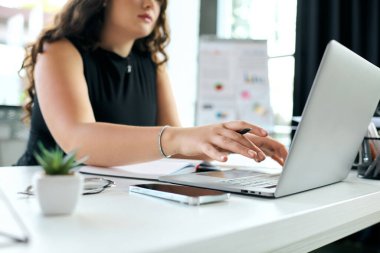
point(55, 162)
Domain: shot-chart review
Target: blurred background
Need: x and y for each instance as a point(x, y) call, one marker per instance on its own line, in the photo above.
point(296, 33)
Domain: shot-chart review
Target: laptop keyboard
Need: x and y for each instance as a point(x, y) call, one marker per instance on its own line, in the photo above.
point(258, 180)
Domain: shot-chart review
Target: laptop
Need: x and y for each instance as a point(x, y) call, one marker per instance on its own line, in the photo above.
point(340, 106)
point(12, 228)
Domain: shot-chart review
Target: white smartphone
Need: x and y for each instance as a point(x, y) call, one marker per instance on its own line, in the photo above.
point(183, 194)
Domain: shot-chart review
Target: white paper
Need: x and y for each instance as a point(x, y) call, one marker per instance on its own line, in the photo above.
point(148, 170)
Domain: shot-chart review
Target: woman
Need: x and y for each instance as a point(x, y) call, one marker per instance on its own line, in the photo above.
point(98, 84)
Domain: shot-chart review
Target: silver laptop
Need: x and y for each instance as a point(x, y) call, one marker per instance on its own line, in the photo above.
point(341, 103)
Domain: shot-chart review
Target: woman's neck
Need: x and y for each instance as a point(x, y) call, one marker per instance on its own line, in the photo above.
point(113, 40)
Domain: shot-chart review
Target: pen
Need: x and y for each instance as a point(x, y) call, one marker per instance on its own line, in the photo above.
point(243, 131)
point(377, 170)
point(370, 169)
point(366, 152)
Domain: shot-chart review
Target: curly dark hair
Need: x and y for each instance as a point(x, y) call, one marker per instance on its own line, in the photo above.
point(84, 19)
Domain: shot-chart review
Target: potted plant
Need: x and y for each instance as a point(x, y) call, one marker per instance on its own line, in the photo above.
point(57, 186)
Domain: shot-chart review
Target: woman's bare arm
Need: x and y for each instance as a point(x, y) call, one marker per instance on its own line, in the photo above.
point(65, 105)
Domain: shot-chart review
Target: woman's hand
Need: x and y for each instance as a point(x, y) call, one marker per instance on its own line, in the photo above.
point(270, 147)
point(215, 141)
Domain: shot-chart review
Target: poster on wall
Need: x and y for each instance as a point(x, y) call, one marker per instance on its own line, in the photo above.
point(233, 82)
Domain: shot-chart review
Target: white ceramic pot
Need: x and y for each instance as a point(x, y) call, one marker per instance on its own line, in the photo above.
point(58, 194)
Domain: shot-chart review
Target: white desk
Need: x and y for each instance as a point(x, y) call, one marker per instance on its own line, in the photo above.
point(116, 221)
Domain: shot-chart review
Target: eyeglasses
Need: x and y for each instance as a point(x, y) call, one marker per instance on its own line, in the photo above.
point(92, 185)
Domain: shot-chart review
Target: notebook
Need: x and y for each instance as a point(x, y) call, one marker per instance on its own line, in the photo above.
point(148, 171)
point(341, 103)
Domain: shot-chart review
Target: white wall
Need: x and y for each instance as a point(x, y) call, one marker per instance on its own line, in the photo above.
point(183, 52)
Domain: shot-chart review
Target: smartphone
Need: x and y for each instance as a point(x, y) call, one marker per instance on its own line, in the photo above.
point(183, 194)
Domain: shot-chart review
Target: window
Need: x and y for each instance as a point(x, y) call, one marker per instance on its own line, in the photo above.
point(20, 22)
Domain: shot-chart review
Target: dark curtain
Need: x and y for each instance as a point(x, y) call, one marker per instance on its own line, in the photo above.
point(353, 23)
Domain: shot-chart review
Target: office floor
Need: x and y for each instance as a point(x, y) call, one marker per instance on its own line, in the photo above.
point(366, 241)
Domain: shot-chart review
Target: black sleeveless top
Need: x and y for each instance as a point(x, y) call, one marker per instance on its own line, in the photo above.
point(122, 90)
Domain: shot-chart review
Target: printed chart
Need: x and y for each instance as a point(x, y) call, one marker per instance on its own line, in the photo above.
point(233, 82)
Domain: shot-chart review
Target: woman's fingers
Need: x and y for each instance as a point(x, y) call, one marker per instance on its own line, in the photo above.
point(233, 146)
point(278, 159)
point(214, 153)
point(271, 148)
point(278, 152)
point(241, 145)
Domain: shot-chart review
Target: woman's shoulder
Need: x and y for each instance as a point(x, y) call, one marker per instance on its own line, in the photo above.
point(60, 53)
point(61, 47)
